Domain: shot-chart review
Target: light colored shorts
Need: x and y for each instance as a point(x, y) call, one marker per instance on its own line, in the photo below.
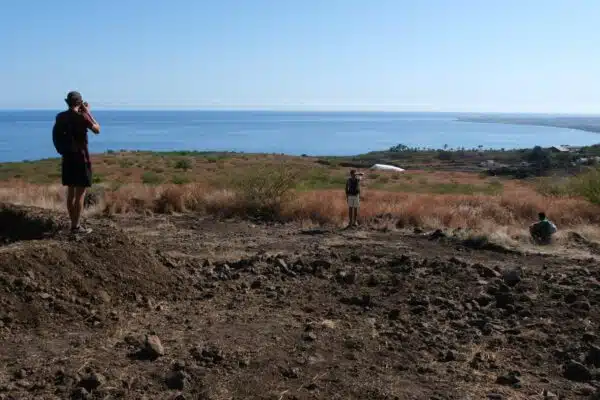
point(354, 201)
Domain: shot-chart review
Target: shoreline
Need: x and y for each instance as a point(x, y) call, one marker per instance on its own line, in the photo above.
point(592, 125)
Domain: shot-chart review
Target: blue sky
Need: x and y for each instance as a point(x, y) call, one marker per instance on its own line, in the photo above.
point(418, 55)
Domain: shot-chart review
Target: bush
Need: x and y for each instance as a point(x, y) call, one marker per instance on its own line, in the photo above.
point(263, 192)
point(151, 178)
point(180, 180)
point(183, 164)
point(587, 185)
point(445, 155)
point(97, 178)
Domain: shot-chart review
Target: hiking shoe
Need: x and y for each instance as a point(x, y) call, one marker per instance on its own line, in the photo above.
point(80, 230)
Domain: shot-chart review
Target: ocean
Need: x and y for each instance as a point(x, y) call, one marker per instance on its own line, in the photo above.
point(26, 134)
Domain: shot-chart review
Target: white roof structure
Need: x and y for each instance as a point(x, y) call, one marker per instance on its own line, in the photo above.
point(384, 167)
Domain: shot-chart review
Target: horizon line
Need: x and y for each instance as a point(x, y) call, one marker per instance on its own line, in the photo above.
point(152, 109)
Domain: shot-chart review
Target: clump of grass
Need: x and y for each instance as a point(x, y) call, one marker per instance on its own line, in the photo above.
point(151, 178)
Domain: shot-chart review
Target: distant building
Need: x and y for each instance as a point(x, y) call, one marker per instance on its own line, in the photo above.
point(563, 148)
point(560, 149)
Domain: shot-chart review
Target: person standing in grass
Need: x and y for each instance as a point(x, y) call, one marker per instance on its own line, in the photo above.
point(542, 231)
point(353, 197)
point(70, 139)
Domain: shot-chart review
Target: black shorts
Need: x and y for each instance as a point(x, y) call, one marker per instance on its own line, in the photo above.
point(76, 171)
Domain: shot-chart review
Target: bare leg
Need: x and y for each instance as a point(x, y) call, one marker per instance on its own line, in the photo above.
point(350, 214)
point(356, 216)
point(78, 206)
point(71, 204)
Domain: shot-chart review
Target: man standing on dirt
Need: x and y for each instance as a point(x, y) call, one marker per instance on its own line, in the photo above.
point(71, 141)
point(353, 197)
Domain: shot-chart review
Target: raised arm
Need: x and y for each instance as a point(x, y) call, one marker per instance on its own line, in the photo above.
point(92, 124)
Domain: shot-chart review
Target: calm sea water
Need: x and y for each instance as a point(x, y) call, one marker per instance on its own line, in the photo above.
point(26, 135)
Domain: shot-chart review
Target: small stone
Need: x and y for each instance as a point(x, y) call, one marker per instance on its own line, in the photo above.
point(256, 284)
point(508, 379)
point(344, 276)
point(549, 395)
point(25, 384)
point(575, 371)
point(394, 315)
point(585, 390)
point(511, 277)
point(486, 272)
point(80, 394)
point(328, 324)
point(450, 356)
point(503, 300)
point(484, 299)
point(176, 380)
point(582, 305)
point(179, 365)
point(495, 396)
point(92, 382)
point(104, 296)
point(593, 356)
point(590, 337)
point(244, 363)
point(291, 373)
point(153, 347)
point(309, 336)
point(21, 374)
point(373, 281)
point(45, 296)
point(282, 265)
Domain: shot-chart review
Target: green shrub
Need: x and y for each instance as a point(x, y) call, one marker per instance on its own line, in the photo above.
point(180, 180)
point(587, 185)
point(183, 164)
point(262, 192)
point(97, 178)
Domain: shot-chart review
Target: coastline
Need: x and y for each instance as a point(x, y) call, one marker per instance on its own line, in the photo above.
point(585, 124)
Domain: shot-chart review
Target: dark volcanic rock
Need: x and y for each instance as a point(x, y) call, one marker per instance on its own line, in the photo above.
point(92, 382)
point(80, 394)
point(575, 371)
point(593, 356)
point(153, 348)
point(504, 300)
point(511, 277)
point(512, 378)
point(176, 380)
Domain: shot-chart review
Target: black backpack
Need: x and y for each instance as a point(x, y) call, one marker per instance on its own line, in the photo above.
point(61, 136)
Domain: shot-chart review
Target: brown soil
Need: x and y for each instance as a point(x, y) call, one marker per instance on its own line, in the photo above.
point(249, 311)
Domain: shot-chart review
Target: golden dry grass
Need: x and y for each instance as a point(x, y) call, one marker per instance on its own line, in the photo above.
point(515, 207)
point(298, 189)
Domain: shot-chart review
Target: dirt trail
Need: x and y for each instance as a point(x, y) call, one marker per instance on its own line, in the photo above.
point(247, 311)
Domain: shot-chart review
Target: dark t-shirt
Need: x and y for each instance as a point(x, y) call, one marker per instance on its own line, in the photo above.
point(75, 125)
point(353, 187)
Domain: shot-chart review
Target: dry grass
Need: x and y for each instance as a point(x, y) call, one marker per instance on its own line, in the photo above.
point(297, 189)
point(516, 207)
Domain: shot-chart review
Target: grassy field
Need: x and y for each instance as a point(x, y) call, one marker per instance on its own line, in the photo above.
point(309, 190)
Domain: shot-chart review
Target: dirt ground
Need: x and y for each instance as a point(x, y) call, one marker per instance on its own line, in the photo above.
point(183, 307)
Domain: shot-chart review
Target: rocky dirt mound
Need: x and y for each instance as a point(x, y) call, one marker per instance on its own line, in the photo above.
point(19, 223)
point(325, 317)
point(61, 279)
